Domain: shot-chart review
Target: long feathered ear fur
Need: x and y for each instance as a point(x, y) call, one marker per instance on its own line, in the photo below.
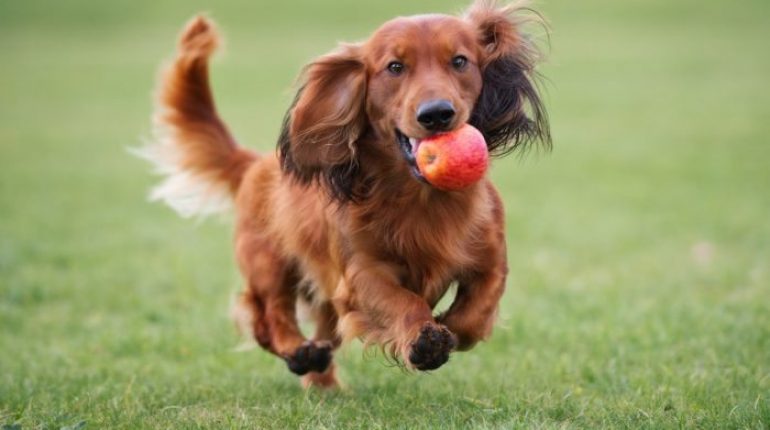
point(509, 111)
point(322, 128)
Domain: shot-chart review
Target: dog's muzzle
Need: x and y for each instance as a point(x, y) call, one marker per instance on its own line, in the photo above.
point(409, 147)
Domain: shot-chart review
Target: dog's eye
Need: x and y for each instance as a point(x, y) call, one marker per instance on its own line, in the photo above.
point(396, 67)
point(459, 62)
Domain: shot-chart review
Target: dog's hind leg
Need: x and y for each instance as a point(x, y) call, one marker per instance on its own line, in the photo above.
point(325, 318)
point(270, 297)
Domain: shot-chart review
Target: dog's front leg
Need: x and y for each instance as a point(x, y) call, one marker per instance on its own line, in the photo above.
point(382, 311)
point(474, 309)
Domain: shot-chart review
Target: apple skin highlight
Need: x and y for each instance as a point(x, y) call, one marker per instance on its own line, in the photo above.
point(454, 160)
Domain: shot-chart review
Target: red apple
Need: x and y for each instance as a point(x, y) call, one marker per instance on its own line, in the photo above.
point(453, 160)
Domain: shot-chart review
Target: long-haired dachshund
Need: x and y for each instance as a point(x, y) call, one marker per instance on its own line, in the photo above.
point(339, 217)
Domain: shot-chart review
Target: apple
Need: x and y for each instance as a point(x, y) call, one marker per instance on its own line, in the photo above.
point(453, 160)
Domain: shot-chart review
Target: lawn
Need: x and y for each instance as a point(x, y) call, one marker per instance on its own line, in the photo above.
point(639, 294)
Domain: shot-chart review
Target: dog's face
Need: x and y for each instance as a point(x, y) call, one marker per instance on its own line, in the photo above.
point(417, 89)
point(415, 76)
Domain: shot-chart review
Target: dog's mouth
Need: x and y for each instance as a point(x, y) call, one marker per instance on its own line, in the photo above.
point(409, 147)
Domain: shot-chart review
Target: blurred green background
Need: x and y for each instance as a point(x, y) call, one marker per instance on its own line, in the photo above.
point(639, 293)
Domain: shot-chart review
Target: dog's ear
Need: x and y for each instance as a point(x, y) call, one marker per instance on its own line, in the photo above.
point(509, 111)
point(323, 126)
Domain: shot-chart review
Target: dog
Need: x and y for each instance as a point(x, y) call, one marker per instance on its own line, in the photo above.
point(340, 217)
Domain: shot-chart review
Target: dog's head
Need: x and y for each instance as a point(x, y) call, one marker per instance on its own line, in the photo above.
point(414, 77)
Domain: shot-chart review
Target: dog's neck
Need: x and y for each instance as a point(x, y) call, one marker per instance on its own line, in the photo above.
point(403, 216)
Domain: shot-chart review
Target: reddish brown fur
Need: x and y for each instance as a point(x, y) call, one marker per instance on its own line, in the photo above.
point(373, 267)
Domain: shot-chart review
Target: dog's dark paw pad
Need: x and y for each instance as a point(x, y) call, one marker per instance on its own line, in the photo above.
point(310, 357)
point(431, 349)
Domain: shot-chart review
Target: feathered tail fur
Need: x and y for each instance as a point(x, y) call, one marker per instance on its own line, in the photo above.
point(192, 148)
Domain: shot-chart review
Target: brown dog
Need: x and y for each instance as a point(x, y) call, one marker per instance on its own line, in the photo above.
point(340, 216)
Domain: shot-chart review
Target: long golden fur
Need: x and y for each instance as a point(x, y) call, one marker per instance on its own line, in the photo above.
point(339, 216)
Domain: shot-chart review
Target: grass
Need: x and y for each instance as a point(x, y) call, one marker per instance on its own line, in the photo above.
point(639, 294)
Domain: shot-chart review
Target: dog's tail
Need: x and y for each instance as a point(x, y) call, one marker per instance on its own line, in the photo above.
point(192, 147)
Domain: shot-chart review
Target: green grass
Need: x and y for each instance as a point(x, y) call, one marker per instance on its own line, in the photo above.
point(639, 294)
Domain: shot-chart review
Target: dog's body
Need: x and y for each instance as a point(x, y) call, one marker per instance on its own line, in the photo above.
point(340, 216)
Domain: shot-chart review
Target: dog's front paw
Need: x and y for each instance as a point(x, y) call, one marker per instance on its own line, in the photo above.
point(432, 347)
point(310, 357)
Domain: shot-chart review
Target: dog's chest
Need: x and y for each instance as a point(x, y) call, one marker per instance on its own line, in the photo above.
point(430, 251)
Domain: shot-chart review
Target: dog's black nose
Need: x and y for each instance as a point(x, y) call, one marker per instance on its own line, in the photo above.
point(435, 115)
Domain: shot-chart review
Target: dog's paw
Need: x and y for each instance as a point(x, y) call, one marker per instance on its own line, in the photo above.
point(310, 357)
point(432, 347)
